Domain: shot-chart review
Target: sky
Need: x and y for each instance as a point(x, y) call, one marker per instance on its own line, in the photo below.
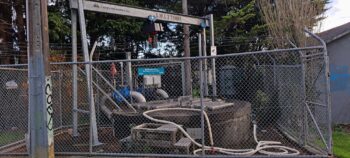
point(338, 14)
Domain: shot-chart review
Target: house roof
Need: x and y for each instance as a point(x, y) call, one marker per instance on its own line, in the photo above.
point(335, 33)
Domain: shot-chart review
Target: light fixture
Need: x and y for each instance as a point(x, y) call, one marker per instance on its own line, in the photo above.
point(152, 18)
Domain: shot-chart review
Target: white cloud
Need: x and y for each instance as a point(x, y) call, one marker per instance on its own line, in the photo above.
point(338, 14)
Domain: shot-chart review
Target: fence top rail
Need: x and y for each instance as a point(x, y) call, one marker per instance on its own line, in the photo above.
point(183, 58)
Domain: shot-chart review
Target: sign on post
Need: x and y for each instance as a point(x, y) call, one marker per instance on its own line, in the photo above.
point(213, 51)
point(150, 71)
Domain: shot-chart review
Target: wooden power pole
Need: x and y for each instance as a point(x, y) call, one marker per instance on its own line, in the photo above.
point(40, 86)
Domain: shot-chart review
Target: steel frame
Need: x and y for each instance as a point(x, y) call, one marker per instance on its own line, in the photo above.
point(79, 6)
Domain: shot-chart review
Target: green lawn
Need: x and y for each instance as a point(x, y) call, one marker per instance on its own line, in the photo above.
point(10, 137)
point(341, 143)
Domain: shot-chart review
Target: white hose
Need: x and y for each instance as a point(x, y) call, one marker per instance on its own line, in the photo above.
point(260, 148)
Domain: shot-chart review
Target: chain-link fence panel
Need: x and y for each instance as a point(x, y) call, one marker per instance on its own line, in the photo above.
point(13, 106)
point(236, 104)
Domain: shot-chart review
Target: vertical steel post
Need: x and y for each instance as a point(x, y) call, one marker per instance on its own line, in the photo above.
point(75, 72)
point(328, 91)
point(304, 109)
point(60, 95)
point(93, 126)
point(40, 86)
point(328, 84)
point(121, 73)
point(204, 45)
point(183, 77)
point(129, 71)
point(212, 41)
point(201, 92)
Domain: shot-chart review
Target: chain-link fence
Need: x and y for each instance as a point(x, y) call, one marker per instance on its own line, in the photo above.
point(254, 103)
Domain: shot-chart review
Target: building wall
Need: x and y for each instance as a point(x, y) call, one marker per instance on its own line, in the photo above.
point(339, 56)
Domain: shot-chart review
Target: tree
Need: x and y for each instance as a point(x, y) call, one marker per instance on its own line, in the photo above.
point(286, 19)
point(241, 28)
point(5, 31)
point(12, 31)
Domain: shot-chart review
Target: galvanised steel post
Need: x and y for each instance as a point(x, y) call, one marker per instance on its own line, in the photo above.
point(213, 52)
point(201, 92)
point(328, 91)
point(40, 86)
point(75, 72)
point(129, 71)
point(93, 125)
point(204, 45)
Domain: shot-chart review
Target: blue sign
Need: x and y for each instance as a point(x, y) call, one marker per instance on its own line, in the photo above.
point(150, 71)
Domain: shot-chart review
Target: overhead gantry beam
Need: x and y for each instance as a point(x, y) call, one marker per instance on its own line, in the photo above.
point(109, 8)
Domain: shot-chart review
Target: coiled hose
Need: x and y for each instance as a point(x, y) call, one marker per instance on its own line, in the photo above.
point(261, 146)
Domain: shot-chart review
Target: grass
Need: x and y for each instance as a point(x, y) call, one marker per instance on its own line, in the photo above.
point(341, 143)
point(10, 137)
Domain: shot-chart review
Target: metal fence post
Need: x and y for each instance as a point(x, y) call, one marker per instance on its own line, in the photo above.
point(129, 71)
point(203, 46)
point(183, 78)
point(60, 95)
point(201, 96)
point(93, 125)
point(75, 72)
point(212, 41)
point(328, 90)
point(40, 85)
point(305, 120)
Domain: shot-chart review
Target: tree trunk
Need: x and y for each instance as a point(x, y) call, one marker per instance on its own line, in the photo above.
point(187, 53)
point(5, 32)
point(20, 9)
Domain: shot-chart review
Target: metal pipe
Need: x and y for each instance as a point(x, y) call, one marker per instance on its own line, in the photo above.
point(93, 125)
point(121, 73)
point(201, 100)
point(204, 53)
point(318, 104)
point(113, 88)
point(129, 72)
point(316, 125)
point(93, 50)
point(193, 58)
point(183, 78)
point(328, 90)
point(60, 96)
point(139, 98)
point(81, 111)
point(75, 71)
point(103, 92)
point(212, 40)
point(164, 155)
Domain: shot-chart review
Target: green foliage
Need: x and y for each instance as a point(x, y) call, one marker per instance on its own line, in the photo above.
point(241, 29)
point(59, 28)
point(195, 92)
point(261, 98)
point(237, 24)
point(59, 22)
